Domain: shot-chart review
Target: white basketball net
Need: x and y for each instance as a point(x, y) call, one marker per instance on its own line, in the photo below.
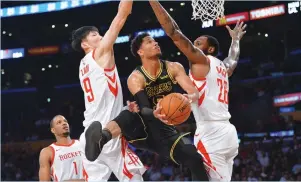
point(206, 10)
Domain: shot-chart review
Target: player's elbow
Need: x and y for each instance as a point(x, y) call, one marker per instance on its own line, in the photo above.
point(44, 175)
point(174, 34)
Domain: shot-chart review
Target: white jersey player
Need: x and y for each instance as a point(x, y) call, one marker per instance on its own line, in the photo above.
point(61, 160)
point(215, 137)
point(104, 101)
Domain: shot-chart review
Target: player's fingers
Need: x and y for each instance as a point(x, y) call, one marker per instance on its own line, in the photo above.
point(228, 28)
point(165, 121)
point(237, 23)
point(241, 24)
point(161, 116)
point(244, 27)
point(243, 33)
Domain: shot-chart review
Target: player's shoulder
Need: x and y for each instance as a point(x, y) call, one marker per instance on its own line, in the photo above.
point(47, 152)
point(136, 75)
point(174, 67)
point(76, 141)
point(87, 58)
point(213, 58)
point(172, 64)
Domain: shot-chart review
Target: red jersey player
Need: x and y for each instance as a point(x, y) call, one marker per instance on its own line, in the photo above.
point(103, 102)
point(61, 160)
point(215, 137)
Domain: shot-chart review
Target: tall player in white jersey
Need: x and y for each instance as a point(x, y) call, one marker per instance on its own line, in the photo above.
point(215, 137)
point(103, 102)
point(62, 160)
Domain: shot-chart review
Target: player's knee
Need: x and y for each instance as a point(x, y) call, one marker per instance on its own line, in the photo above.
point(124, 118)
point(114, 129)
point(188, 154)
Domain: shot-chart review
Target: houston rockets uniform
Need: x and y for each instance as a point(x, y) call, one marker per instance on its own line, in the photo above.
point(103, 102)
point(215, 137)
point(66, 162)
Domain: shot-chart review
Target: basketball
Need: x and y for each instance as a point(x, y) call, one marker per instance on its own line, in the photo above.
point(176, 108)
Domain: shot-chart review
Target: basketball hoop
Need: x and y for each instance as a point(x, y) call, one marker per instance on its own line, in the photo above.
point(206, 10)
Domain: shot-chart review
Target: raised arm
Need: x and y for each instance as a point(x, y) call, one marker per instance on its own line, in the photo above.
point(233, 56)
point(45, 160)
point(183, 80)
point(124, 10)
point(194, 55)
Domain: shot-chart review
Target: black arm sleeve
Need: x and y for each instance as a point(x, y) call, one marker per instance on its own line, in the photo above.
point(144, 105)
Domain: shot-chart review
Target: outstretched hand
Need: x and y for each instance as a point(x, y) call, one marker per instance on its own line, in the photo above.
point(239, 30)
point(157, 113)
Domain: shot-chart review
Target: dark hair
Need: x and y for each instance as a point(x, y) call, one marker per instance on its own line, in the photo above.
point(212, 42)
point(136, 43)
point(80, 34)
point(51, 122)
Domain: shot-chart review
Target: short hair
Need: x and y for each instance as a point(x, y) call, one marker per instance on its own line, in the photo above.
point(136, 44)
point(51, 122)
point(79, 34)
point(213, 42)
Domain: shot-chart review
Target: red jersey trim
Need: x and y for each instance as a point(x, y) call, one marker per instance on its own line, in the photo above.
point(65, 145)
point(110, 69)
point(52, 155)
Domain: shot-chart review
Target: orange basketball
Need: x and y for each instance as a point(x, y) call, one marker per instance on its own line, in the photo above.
point(176, 108)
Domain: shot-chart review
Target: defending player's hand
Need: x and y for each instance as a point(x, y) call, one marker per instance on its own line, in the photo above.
point(133, 106)
point(239, 30)
point(157, 112)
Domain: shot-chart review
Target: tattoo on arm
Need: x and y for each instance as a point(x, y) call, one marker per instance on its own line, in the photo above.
point(233, 56)
point(166, 21)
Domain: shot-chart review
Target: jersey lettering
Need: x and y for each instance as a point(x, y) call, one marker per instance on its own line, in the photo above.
point(223, 92)
point(69, 155)
point(67, 162)
point(75, 168)
point(85, 70)
point(88, 89)
point(213, 93)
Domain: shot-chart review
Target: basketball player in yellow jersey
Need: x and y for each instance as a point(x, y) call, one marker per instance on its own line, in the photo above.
point(61, 161)
point(215, 137)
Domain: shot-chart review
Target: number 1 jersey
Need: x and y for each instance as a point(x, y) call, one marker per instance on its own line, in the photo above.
point(213, 93)
point(66, 162)
point(102, 91)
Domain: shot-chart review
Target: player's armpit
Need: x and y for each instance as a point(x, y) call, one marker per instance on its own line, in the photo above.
point(45, 160)
point(178, 72)
point(194, 55)
point(107, 42)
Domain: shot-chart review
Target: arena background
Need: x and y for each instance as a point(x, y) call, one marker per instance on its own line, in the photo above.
point(39, 79)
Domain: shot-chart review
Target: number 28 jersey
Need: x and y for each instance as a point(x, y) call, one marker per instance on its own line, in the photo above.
point(213, 93)
point(102, 91)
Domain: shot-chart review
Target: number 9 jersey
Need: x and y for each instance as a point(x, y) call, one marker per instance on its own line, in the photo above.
point(213, 93)
point(102, 91)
